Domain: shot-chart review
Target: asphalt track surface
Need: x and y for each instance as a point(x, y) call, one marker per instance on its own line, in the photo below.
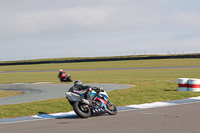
point(183, 118)
point(38, 92)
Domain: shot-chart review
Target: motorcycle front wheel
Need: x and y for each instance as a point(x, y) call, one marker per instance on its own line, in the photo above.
point(112, 110)
point(82, 110)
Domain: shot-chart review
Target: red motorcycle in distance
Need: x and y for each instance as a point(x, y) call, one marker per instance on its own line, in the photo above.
point(64, 77)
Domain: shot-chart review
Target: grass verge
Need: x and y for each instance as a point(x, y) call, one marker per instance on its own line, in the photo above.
point(107, 64)
point(4, 94)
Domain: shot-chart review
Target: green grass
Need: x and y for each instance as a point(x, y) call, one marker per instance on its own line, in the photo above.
point(107, 64)
point(9, 93)
point(151, 85)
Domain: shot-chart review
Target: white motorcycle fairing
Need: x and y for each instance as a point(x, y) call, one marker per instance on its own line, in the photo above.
point(73, 97)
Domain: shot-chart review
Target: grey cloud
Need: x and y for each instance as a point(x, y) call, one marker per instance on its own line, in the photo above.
point(122, 26)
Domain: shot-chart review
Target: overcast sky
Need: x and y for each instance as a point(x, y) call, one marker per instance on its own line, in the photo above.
point(31, 29)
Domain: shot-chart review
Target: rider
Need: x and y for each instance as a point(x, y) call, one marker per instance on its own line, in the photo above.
point(61, 72)
point(85, 90)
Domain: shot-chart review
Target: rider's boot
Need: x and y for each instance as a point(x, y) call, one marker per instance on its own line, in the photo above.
point(87, 101)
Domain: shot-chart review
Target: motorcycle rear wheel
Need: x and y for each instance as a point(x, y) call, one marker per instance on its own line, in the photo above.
point(82, 110)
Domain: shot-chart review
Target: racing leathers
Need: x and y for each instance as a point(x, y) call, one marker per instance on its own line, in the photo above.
point(86, 91)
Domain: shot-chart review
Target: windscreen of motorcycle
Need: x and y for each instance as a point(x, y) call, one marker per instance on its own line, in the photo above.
point(104, 94)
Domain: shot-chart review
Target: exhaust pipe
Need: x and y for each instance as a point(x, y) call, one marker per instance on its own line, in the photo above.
point(86, 101)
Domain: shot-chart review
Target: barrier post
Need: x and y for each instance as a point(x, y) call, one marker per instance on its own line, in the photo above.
point(194, 85)
point(183, 84)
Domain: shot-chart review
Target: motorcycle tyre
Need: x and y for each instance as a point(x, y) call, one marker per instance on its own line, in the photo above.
point(80, 113)
point(112, 112)
point(69, 79)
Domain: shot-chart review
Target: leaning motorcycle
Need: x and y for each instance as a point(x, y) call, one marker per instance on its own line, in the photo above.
point(65, 78)
point(100, 103)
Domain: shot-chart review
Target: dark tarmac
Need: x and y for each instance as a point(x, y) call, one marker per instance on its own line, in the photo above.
point(38, 92)
point(182, 118)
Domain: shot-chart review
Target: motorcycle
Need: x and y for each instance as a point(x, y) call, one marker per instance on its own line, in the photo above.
point(65, 78)
point(100, 103)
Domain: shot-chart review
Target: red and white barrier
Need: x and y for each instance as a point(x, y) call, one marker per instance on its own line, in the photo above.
point(194, 85)
point(183, 84)
point(186, 84)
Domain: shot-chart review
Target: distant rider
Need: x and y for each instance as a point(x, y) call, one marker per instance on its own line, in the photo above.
point(61, 74)
point(85, 90)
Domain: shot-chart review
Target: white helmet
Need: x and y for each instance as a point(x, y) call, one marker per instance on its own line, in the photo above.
point(78, 82)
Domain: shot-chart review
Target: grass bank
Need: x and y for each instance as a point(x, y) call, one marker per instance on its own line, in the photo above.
point(9, 93)
point(107, 64)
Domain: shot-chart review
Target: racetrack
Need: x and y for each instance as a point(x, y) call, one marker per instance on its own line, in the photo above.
point(182, 118)
point(38, 92)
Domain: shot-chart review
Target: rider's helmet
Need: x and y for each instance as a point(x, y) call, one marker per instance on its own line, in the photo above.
point(61, 70)
point(78, 82)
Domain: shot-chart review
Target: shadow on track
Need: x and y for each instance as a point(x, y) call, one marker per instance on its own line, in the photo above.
point(77, 117)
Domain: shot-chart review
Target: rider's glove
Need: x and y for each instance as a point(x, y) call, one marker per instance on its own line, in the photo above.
point(101, 89)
